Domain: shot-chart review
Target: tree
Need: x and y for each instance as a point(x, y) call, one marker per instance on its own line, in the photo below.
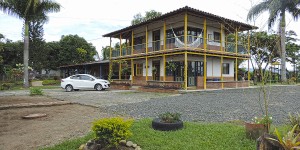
point(292, 49)
point(277, 8)
point(52, 50)
point(75, 50)
point(38, 53)
point(28, 10)
point(263, 51)
point(138, 18)
point(105, 52)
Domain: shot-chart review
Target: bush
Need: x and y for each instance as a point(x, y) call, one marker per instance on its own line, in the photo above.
point(294, 119)
point(51, 82)
point(36, 91)
point(6, 86)
point(170, 117)
point(110, 131)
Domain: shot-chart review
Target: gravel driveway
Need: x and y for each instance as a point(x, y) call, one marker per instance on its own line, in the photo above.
point(211, 106)
point(218, 106)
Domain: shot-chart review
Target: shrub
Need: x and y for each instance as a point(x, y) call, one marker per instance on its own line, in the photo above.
point(170, 117)
point(6, 86)
point(111, 131)
point(294, 119)
point(50, 82)
point(36, 91)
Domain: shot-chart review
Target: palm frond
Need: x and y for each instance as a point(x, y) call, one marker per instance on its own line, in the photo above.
point(258, 9)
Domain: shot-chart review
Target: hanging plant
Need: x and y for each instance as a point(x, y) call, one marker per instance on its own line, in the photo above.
point(171, 65)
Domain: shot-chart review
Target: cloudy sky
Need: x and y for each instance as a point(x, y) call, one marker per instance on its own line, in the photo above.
point(93, 18)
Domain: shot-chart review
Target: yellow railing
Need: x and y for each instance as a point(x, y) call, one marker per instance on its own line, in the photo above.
point(217, 45)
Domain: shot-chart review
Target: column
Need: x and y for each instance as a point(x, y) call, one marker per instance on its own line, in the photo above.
point(185, 70)
point(185, 29)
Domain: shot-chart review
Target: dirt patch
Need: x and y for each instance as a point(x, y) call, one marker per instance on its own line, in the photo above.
point(62, 122)
point(8, 100)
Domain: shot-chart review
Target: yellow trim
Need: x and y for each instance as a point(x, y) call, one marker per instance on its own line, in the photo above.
point(146, 68)
point(205, 35)
point(120, 68)
point(236, 41)
point(164, 59)
point(222, 72)
point(120, 44)
point(221, 38)
point(110, 48)
point(132, 41)
point(165, 35)
point(249, 71)
point(132, 71)
point(146, 39)
point(248, 43)
point(185, 70)
point(204, 77)
point(236, 69)
point(185, 29)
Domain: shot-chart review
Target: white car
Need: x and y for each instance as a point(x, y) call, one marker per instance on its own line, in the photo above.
point(83, 81)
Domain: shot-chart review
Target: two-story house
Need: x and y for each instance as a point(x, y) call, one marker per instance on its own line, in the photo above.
point(200, 50)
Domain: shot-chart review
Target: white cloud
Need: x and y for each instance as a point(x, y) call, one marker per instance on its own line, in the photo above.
point(93, 18)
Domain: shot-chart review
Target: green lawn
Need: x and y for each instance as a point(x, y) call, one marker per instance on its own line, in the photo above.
point(204, 136)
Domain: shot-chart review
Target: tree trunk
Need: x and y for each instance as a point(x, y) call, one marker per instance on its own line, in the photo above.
point(26, 54)
point(283, 52)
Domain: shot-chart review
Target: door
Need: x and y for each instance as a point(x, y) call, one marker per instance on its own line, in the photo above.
point(86, 82)
point(191, 74)
point(156, 70)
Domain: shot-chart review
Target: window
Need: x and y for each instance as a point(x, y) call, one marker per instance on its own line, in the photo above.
point(76, 77)
point(139, 69)
point(217, 37)
point(199, 68)
point(225, 68)
point(138, 42)
point(82, 77)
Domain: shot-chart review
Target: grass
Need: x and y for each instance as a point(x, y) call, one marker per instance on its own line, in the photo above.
point(204, 136)
point(72, 144)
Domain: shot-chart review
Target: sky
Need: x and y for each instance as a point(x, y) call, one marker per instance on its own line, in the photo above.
point(94, 18)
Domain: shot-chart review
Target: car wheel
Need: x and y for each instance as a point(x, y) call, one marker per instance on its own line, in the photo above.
point(98, 87)
point(69, 88)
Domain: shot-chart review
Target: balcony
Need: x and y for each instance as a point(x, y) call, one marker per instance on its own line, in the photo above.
point(194, 43)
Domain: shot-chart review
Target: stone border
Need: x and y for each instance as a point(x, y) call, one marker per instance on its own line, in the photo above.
point(41, 104)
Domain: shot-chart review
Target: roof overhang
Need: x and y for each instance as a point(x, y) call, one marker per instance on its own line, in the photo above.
point(189, 10)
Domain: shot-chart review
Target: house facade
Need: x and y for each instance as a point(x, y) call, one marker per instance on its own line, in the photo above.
point(185, 48)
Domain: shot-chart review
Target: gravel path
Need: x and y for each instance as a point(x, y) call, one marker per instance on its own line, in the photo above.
point(217, 106)
point(103, 98)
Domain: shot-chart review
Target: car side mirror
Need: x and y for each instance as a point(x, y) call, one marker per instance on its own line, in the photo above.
point(92, 79)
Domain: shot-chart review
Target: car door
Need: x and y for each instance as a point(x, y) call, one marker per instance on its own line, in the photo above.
point(75, 81)
point(87, 82)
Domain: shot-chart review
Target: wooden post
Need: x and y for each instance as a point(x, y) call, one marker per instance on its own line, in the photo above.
point(185, 70)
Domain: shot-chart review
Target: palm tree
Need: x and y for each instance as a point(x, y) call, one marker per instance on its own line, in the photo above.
point(277, 10)
point(28, 10)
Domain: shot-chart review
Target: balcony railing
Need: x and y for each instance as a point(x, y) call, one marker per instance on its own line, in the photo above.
point(193, 42)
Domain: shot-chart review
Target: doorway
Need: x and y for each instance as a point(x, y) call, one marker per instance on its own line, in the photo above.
point(156, 70)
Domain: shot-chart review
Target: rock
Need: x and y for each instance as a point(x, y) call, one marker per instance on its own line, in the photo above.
point(33, 116)
point(123, 142)
point(82, 146)
point(89, 143)
point(138, 148)
point(134, 145)
point(129, 143)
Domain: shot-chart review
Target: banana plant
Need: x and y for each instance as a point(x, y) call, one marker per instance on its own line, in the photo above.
point(290, 141)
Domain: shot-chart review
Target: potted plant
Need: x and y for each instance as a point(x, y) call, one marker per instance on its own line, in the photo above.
point(257, 127)
point(167, 122)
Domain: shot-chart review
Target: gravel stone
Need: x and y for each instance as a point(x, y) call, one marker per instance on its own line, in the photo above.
point(218, 105)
